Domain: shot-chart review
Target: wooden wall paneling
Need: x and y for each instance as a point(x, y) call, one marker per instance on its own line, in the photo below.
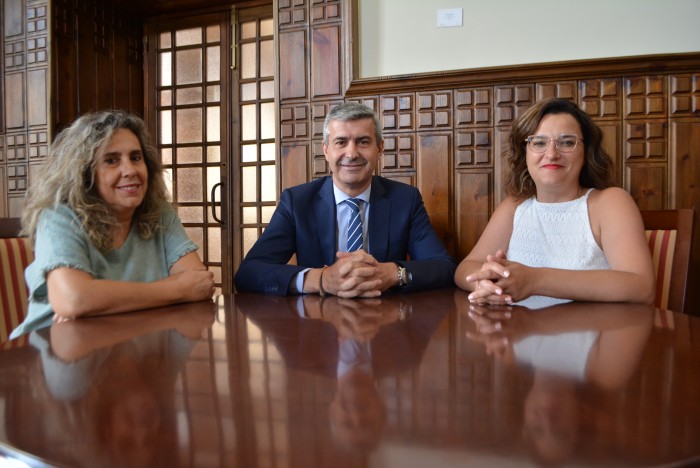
point(474, 200)
point(601, 98)
point(500, 147)
point(645, 141)
point(684, 94)
point(64, 64)
point(326, 70)
point(4, 212)
point(397, 112)
point(473, 107)
point(560, 89)
point(434, 110)
point(399, 155)
point(434, 176)
point(293, 157)
point(612, 144)
point(645, 96)
point(85, 67)
point(293, 65)
point(510, 101)
point(648, 184)
point(684, 138)
point(15, 94)
point(25, 78)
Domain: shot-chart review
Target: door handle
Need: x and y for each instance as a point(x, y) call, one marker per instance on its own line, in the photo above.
point(213, 203)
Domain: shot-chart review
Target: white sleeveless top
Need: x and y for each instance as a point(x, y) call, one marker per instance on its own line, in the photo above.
point(555, 235)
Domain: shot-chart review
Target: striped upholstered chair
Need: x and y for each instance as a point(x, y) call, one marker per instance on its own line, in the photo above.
point(16, 254)
point(669, 233)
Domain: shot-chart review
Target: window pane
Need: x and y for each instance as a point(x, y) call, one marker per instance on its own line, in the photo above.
point(268, 183)
point(187, 37)
point(166, 98)
point(248, 56)
point(213, 154)
point(214, 243)
point(267, 213)
point(168, 178)
point(166, 71)
point(191, 214)
point(267, 120)
point(166, 128)
point(266, 27)
point(267, 152)
point(188, 66)
point(189, 96)
point(166, 156)
point(250, 215)
point(165, 40)
point(189, 184)
point(248, 30)
point(267, 89)
point(189, 155)
point(189, 125)
point(213, 93)
point(213, 34)
point(250, 235)
point(197, 236)
point(249, 92)
point(267, 63)
point(213, 124)
point(213, 63)
point(248, 122)
point(213, 178)
point(249, 184)
point(249, 153)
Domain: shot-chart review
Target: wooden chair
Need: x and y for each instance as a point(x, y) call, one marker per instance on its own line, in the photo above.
point(669, 233)
point(16, 253)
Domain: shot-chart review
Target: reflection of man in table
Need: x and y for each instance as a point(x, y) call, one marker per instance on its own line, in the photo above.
point(355, 342)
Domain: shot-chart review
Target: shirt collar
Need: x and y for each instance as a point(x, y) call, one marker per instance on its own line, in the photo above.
point(341, 196)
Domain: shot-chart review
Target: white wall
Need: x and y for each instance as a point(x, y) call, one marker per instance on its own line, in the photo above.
point(399, 37)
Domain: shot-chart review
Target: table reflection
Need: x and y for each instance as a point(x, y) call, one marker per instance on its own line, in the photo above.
point(422, 379)
point(356, 343)
point(565, 345)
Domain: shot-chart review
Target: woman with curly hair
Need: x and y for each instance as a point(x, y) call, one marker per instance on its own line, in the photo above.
point(105, 236)
point(563, 231)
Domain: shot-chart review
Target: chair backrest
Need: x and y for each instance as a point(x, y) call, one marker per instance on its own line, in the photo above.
point(670, 233)
point(16, 254)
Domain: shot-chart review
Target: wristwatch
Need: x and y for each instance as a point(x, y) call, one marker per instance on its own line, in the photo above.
point(404, 276)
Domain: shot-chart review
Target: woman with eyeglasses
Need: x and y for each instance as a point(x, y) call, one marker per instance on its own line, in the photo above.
point(564, 231)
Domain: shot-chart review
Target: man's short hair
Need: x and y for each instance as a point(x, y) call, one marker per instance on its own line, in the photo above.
point(351, 111)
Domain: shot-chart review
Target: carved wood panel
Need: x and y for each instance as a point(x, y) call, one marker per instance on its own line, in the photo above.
point(25, 79)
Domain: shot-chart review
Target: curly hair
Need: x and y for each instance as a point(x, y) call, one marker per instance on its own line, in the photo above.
point(597, 170)
point(68, 178)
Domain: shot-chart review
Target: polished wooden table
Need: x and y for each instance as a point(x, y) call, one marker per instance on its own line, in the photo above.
point(407, 380)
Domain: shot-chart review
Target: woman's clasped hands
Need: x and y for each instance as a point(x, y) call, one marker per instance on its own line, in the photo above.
point(500, 281)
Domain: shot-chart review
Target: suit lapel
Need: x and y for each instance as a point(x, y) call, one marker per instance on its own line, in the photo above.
point(379, 220)
point(325, 217)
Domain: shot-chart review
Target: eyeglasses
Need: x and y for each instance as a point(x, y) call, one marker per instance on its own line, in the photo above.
point(564, 143)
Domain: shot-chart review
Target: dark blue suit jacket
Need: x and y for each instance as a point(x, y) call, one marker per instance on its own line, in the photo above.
point(304, 224)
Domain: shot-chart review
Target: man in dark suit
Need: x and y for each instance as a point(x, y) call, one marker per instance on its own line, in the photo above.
point(314, 221)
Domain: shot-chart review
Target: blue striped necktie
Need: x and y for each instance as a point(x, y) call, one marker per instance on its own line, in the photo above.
point(355, 225)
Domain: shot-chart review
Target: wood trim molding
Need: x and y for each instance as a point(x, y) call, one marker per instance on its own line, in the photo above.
point(554, 71)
